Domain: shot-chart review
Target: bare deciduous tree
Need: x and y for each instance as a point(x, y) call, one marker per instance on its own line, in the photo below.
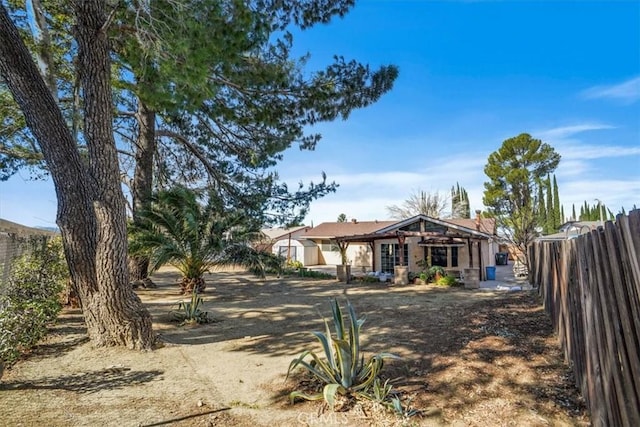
point(420, 203)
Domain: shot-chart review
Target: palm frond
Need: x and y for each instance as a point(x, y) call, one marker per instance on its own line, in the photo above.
point(178, 229)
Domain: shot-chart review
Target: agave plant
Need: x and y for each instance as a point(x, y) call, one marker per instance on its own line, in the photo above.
point(189, 312)
point(343, 369)
point(178, 229)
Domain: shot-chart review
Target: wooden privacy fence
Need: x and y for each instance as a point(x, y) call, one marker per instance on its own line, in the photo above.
point(591, 288)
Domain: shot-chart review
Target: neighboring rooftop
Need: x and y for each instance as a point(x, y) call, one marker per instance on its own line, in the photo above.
point(592, 225)
point(278, 232)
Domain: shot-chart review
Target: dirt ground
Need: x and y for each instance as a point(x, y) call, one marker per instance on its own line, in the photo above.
point(469, 358)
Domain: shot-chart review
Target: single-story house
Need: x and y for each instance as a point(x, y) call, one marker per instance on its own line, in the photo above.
point(454, 244)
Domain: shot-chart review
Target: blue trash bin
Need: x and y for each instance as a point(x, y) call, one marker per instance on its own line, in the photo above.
point(491, 273)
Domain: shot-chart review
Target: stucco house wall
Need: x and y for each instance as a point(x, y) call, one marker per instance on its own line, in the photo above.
point(303, 251)
point(358, 255)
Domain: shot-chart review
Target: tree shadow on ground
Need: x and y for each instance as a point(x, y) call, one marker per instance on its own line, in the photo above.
point(88, 382)
point(455, 343)
point(70, 326)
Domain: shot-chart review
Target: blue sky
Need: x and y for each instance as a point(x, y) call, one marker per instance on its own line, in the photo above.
point(472, 74)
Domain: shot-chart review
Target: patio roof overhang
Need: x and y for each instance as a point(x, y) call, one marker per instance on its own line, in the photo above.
point(451, 237)
point(442, 241)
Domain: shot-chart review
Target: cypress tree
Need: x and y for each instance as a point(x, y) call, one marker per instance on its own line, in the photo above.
point(549, 223)
point(460, 202)
point(557, 213)
point(542, 211)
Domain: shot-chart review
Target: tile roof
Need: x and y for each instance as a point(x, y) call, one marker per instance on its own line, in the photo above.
point(328, 230)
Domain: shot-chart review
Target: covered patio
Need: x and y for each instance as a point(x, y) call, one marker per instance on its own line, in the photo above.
point(460, 249)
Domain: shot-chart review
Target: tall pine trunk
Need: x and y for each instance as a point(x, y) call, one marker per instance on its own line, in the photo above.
point(142, 186)
point(91, 208)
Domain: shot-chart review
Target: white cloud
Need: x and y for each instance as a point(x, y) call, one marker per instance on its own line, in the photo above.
point(366, 195)
point(569, 168)
point(574, 149)
point(591, 152)
point(613, 193)
point(627, 91)
point(564, 132)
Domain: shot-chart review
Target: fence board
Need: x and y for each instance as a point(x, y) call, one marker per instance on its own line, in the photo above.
point(624, 335)
point(590, 286)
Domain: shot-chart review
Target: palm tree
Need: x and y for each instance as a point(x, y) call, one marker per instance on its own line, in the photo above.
point(193, 237)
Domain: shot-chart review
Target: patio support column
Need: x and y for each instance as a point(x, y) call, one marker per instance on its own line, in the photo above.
point(482, 273)
point(372, 245)
point(401, 239)
point(346, 268)
point(400, 272)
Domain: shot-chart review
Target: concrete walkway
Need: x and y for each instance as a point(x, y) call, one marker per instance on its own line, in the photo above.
point(506, 280)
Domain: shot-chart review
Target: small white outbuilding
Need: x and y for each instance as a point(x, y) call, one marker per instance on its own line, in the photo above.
point(305, 251)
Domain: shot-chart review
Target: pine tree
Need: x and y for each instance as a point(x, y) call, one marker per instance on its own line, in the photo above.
point(91, 205)
point(514, 170)
point(208, 93)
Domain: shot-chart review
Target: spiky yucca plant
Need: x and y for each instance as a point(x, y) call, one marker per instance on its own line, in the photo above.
point(343, 369)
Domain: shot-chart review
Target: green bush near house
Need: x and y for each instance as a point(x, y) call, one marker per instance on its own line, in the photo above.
point(31, 298)
point(429, 274)
point(294, 265)
point(433, 272)
point(296, 268)
point(318, 275)
point(368, 279)
point(447, 281)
